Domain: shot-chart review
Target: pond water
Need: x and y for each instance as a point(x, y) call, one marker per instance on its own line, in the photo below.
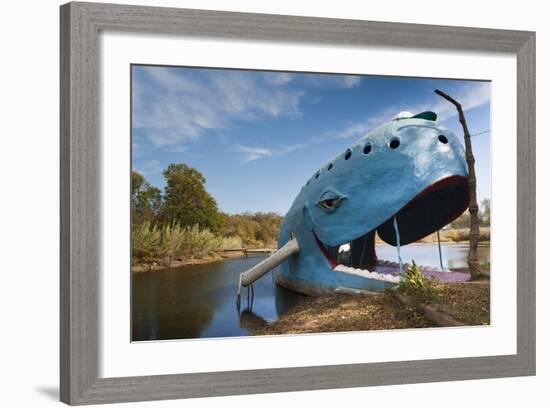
point(455, 256)
point(199, 300)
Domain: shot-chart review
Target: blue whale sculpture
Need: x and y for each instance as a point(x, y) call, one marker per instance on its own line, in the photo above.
point(404, 180)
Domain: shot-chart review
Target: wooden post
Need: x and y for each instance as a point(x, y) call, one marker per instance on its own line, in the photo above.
point(473, 263)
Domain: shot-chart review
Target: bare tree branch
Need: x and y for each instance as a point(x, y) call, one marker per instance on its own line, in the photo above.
point(473, 263)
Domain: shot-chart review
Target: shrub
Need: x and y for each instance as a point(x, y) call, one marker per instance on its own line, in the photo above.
point(416, 285)
point(457, 235)
point(145, 241)
point(463, 234)
point(484, 234)
point(232, 242)
point(200, 242)
point(172, 240)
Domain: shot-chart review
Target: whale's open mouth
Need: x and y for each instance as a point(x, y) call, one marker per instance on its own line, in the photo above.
point(430, 210)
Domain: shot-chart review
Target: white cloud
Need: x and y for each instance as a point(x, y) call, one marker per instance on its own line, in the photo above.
point(253, 153)
point(245, 96)
point(256, 153)
point(349, 81)
point(170, 81)
point(177, 149)
point(175, 107)
point(330, 81)
point(149, 167)
point(353, 130)
point(286, 149)
point(320, 81)
point(356, 130)
point(471, 96)
point(278, 78)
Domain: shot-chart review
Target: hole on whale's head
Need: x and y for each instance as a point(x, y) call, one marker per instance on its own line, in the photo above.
point(443, 139)
point(348, 154)
point(329, 166)
point(317, 174)
point(367, 149)
point(394, 143)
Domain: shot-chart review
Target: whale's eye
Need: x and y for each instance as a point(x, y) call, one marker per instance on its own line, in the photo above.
point(367, 149)
point(330, 199)
point(394, 143)
point(328, 203)
point(443, 139)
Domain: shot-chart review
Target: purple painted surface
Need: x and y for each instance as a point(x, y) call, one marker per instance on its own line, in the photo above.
point(447, 276)
point(434, 273)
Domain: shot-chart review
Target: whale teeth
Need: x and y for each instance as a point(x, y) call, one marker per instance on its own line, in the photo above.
point(365, 273)
point(386, 277)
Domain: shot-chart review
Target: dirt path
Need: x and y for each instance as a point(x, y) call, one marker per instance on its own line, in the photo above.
point(468, 302)
point(342, 312)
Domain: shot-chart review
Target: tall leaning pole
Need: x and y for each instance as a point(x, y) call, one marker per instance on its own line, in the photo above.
point(473, 263)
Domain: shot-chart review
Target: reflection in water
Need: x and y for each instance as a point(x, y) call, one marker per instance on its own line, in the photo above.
point(199, 300)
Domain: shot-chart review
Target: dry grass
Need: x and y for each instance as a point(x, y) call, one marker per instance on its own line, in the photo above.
point(452, 235)
point(468, 302)
point(463, 234)
point(341, 312)
point(152, 245)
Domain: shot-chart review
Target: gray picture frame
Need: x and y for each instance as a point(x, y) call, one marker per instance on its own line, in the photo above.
point(80, 191)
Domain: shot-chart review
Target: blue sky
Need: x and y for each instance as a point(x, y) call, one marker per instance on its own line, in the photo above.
point(258, 136)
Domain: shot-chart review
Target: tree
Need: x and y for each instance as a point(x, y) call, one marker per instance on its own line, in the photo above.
point(186, 200)
point(146, 200)
point(462, 222)
point(256, 230)
point(473, 263)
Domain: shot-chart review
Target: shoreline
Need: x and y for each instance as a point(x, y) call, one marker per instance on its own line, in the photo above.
point(178, 263)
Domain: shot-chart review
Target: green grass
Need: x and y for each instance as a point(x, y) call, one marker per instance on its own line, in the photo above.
point(416, 285)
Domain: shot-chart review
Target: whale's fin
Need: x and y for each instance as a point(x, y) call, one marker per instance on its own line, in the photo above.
point(425, 115)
